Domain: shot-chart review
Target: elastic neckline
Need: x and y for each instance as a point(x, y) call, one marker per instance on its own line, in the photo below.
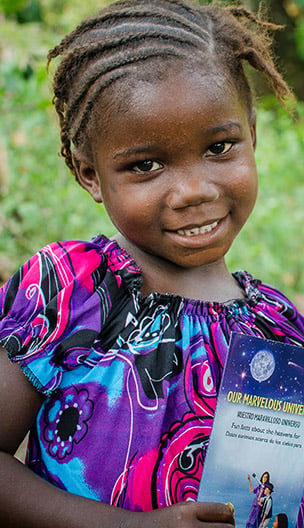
point(119, 261)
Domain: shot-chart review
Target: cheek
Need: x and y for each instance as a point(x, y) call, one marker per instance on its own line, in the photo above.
point(244, 188)
point(128, 210)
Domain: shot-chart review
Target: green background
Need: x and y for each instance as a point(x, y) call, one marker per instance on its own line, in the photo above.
point(40, 202)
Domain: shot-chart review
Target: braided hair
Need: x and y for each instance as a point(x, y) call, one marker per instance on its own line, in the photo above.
point(125, 38)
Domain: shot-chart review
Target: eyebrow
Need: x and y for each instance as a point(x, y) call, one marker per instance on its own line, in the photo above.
point(135, 150)
point(147, 149)
point(225, 127)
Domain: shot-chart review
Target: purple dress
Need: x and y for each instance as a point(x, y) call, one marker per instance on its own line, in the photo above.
point(254, 517)
point(300, 520)
point(130, 381)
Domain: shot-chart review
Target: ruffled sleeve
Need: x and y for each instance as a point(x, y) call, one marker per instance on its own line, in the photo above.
point(53, 309)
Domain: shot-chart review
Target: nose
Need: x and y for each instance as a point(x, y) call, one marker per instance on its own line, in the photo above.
point(192, 190)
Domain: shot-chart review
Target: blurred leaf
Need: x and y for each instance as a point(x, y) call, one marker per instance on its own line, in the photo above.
point(11, 6)
point(31, 12)
point(299, 35)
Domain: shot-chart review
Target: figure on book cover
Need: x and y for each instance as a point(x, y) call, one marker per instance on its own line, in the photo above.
point(266, 504)
point(254, 518)
point(280, 521)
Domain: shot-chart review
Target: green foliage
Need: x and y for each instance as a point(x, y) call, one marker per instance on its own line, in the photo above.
point(40, 202)
point(299, 32)
point(10, 7)
point(271, 244)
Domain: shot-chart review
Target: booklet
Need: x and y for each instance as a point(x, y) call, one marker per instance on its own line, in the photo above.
point(258, 427)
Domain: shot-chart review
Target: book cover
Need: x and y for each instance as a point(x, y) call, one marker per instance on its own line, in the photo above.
point(258, 428)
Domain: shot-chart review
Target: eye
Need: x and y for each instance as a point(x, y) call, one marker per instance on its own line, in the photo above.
point(219, 148)
point(147, 166)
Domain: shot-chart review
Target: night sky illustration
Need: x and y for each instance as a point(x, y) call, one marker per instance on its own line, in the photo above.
point(283, 363)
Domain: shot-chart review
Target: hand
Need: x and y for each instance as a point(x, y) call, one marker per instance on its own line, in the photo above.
point(250, 485)
point(186, 515)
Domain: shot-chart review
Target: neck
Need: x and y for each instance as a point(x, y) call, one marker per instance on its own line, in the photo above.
point(209, 282)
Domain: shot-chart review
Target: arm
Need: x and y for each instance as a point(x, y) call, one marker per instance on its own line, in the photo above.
point(262, 522)
point(28, 501)
point(250, 485)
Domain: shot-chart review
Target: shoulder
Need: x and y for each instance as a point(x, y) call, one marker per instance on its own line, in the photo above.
point(60, 296)
point(65, 288)
point(278, 305)
point(52, 269)
point(272, 306)
point(257, 290)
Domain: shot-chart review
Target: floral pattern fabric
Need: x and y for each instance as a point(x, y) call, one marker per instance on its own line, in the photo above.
point(130, 381)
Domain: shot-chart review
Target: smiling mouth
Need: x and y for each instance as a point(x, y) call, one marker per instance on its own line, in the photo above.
point(194, 231)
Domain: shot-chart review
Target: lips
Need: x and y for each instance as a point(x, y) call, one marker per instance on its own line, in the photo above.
point(194, 231)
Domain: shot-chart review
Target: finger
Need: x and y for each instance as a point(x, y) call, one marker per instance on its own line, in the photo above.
point(215, 524)
point(214, 512)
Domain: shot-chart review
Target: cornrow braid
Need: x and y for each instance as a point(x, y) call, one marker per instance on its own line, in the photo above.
point(110, 46)
point(126, 10)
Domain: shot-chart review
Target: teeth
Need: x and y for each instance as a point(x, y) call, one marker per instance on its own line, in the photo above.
point(197, 230)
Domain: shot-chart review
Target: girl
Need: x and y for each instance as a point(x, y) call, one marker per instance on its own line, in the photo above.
point(123, 341)
point(254, 518)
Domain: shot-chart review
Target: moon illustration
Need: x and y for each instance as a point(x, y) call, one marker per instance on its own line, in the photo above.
point(262, 365)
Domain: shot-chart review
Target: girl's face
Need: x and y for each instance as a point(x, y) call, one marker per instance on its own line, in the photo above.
point(265, 477)
point(174, 165)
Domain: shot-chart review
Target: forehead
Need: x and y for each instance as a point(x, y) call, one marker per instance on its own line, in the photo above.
point(168, 103)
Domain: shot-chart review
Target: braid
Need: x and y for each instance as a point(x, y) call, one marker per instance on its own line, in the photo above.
point(254, 46)
point(127, 10)
point(108, 47)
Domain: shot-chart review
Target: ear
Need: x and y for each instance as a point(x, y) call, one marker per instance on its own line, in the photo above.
point(252, 123)
point(87, 176)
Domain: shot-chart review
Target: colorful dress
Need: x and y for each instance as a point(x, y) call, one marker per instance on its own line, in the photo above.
point(130, 381)
point(300, 520)
point(254, 518)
